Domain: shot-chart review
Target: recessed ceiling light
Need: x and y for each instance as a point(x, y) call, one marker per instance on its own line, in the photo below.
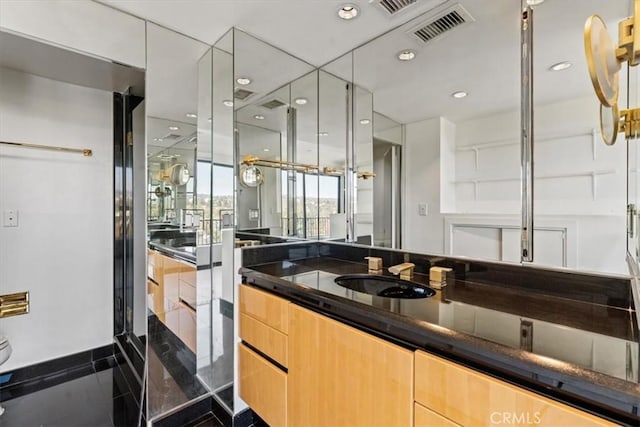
point(300, 101)
point(243, 81)
point(534, 2)
point(266, 150)
point(209, 119)
point(157, 139)
point(406, 55)
point(560, 66)
point(227, 103)
point(459, 94)
point(347, 12)
point(174, 127)
point(365, 121)
point(258, 117)
point(191, 115)
point(323, 134)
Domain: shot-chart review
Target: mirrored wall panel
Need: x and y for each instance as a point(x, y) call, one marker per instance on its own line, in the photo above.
point(432, 172)
point(580, 182)
point(275, 102)
point(178, 217)
point(215, 356)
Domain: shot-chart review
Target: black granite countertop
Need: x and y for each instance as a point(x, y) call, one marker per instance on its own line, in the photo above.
point(442, 324)
point(167, 247)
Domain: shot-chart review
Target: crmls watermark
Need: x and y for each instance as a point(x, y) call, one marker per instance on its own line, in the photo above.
point(520, 418)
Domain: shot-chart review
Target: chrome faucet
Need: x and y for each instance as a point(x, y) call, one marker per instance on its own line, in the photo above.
point(405, 270)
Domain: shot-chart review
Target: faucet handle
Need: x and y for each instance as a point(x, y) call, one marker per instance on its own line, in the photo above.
point(438, 276)
point(375, 264)
point(405, 270)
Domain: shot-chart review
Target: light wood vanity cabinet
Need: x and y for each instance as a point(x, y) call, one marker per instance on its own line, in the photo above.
point(340, 376)
point(468, 398)
point(264, 325)
point(309, 370)
point(172, 296)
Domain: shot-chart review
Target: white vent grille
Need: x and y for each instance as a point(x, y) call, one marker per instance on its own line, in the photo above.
point(242, 94)
point(394, 6)
point(274, 103)
point(439, 24)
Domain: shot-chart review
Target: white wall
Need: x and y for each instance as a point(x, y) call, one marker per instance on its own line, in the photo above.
point(468, 173)
point(423, 176)
point(62, 251)
point(566, 153)
point(85, 26)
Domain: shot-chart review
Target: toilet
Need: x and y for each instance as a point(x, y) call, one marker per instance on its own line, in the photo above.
point(5, 352)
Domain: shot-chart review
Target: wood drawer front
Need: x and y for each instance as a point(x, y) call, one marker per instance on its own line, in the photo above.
point(427, 418)
point(263, 387)
point(269, 309)
point(188, 274)
point(470, 398)
point(154, 266)
point(155, 300)
point(271, 342)
point(187, 294)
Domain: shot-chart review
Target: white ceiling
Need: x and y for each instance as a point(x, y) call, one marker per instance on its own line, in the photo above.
point(308, 29)
point(481, 58)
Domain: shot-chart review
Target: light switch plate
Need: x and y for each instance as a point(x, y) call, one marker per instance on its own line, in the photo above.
point(423, 210)
point(10, 218)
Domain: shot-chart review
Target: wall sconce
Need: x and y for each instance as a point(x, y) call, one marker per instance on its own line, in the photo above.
point(604, 60)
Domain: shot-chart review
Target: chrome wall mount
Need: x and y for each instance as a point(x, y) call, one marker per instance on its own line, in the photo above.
point(526, 134)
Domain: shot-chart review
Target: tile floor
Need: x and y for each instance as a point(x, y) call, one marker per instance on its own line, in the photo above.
point(98, 399)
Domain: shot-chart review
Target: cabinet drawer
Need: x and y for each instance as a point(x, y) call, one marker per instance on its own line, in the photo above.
point(267, 308)
point(155, 298)
point(188, 294)
point(470, 398)
point(271, 342)
point(154, 266)
point(263, 387)
point(427, 418)
point(188, 273)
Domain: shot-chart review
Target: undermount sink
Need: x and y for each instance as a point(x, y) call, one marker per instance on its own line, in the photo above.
point(384, 286)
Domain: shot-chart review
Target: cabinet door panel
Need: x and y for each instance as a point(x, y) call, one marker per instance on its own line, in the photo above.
point(263, 387)
point(470, 398)
point(427, 418)
point(340, 376)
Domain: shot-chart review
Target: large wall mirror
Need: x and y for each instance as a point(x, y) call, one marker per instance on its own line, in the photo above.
point(436, 118)
point(276, 115)
point(178, 218)
point(580, 183)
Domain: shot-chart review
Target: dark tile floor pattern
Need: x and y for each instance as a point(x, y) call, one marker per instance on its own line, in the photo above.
point(172, 377)
point(208, 420)
point(99, 399)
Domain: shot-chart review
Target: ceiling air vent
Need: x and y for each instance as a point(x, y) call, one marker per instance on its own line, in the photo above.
point(274, 103)
point(242, 94)
point(394, 6)
point(171, 136)
point(440, 23)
